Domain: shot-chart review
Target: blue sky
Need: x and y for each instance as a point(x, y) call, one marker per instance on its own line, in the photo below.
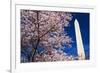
point(83, 19)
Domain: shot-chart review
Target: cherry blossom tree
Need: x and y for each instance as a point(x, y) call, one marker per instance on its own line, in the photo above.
point(45, 29)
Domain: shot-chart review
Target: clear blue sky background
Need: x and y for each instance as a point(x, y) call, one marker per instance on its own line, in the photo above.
point(83, 19)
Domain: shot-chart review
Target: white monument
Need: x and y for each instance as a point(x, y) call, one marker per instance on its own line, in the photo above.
point(80, 48)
